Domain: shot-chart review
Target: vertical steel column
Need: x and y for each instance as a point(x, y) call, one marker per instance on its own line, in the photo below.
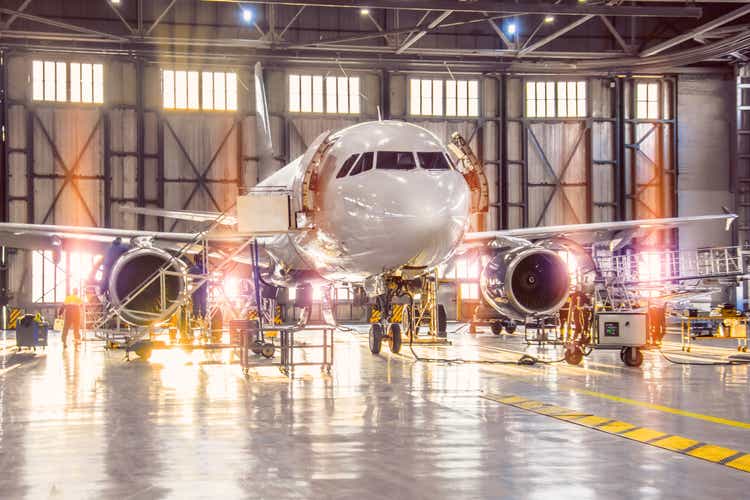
point(385, 94)
point(4, 171)
point(30, 164)
point(160, 188)
point(107, 168)
point(589, 145)
point(524, 157)
point(620, 174)
point(503, 192)
point(140, 138)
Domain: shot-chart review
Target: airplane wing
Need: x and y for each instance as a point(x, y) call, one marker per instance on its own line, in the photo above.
point(51, 237)
point(614, 232)
point(186, 215)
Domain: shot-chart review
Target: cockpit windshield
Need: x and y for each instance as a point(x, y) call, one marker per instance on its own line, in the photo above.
point(396, 160)
point(433, 161)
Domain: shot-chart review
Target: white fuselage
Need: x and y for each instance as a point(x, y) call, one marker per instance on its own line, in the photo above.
point(401, 205)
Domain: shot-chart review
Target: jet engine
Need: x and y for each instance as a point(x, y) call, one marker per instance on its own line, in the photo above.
point(142, 294)
point(523, 281)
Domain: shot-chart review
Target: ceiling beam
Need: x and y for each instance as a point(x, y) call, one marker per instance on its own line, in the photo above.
point(554, 36)
point(495, 7)
point(20, 8)
point(700, 30)
point(615, 34)
point(414, 39)
point(59, 24)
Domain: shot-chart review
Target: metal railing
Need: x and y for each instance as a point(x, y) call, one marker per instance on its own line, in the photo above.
point(671, 265)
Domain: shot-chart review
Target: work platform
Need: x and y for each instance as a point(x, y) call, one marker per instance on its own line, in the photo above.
point(86, 424)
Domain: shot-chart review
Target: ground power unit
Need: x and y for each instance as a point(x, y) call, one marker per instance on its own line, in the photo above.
point(625, 331)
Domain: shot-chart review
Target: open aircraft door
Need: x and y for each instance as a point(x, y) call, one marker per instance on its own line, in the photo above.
point(473, 171)
point(306, 187)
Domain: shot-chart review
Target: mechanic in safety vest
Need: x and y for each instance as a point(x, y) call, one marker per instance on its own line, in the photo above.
point(72, 317)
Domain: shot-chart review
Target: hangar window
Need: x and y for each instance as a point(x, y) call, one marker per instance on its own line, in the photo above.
point(51, 281)
point(647, 101)
point(428, 97)
point(319, 94)
point(56, 81)
point(194, 90)
point(549, 99)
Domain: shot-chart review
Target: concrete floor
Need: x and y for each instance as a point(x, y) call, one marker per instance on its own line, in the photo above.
point(85, 424)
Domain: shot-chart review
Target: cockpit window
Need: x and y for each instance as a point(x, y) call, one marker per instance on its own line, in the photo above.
point(347, 166)
point(396, 160)
point(433, 161)
point(364, 164)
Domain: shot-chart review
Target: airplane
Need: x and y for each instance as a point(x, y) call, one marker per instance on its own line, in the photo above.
point(379, 204)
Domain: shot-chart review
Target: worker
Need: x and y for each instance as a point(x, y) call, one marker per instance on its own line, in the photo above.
point(110, 257)
point(72, 315)
point(200, 293)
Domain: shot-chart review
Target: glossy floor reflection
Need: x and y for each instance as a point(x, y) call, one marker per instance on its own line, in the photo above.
point(86, 424)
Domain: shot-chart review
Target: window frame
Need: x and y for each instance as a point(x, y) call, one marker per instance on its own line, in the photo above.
point(556, 99)
point(326, 94)
point(200, 94)
point(444, 107)
point(62, 278)
point(67, 88)
point(659, 102)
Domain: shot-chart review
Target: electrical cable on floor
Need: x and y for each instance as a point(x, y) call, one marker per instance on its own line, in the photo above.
point(731, 362)
point(525, 359)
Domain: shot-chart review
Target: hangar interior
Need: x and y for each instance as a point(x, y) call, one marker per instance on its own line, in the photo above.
point(579, 112)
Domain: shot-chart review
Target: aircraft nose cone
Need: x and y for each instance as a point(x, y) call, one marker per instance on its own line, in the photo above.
point(438, 208)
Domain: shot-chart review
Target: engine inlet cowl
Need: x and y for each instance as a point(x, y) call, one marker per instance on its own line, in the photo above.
point(142, 304)
point(525, 282)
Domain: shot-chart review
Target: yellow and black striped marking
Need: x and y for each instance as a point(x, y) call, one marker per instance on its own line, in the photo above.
point(13, 317)
point(397, 312)
point(717, 454)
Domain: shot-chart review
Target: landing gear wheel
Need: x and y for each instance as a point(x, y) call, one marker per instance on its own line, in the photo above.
point(510, 327)
point(267, 350)
point(442, 321)
point(257, 347)
point(376, 337)
point(497, 328)
point(394, 337)
point(632, 356)
point(574, 355)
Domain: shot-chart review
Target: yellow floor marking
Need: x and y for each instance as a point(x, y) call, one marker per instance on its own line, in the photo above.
point(682, 445)
point(616, 427)
point(675, 443)
point(712, 453)
point(592, 421)
point(530, 405)
point(553, 410)
point(666, 409)
point(741, 463)
point(643, 434)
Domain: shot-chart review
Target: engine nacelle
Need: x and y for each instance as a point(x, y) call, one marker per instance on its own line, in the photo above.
point(156, 301)
point(525, 281)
